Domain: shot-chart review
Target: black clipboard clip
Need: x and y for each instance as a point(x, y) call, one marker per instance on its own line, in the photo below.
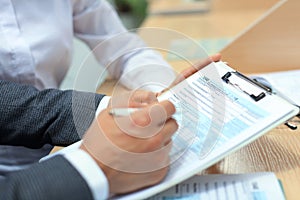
point(257, 97)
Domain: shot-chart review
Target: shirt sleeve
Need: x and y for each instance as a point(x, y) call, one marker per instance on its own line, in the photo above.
point(91, 173)
point(103, 104)
point(122, 53)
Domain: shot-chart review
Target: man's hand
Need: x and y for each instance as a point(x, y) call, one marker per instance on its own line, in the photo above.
point(132, 151)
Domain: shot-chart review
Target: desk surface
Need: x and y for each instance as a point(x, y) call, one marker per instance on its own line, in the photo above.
point(227, 19)
point(277, 151)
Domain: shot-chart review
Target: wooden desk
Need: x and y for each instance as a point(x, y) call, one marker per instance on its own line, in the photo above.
point(277, 151)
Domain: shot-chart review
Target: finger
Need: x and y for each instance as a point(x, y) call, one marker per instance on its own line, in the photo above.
point(201, 64)
point(169, 142)
point(141, 117)
point(156, 114)
point(162, 111)
point(216, 57)
point(165, 135)
point(150, 97)
point(162, 143)
point(142, 98)
point(167, 132)
point(146, 122)
point(196, 67)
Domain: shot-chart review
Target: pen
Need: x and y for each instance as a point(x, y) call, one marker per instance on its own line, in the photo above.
point(122, 112)
point(254, 81)
point(290, 125)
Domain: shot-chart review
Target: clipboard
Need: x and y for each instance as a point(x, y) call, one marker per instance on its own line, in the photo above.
point(219, 111)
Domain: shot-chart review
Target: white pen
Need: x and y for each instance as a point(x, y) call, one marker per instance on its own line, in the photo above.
point(122, 112)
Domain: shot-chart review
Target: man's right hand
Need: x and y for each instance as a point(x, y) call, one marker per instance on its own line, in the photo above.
point(132, 151)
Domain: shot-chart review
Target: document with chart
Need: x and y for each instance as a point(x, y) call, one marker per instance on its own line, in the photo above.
point(219, 111)
point(259, 186)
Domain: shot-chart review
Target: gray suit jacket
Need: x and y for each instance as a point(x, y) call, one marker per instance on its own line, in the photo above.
point(33, 118)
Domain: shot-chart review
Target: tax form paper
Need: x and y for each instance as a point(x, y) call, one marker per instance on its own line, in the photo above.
point(218, 111)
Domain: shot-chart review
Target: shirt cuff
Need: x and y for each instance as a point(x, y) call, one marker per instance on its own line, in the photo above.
point(103, 104)
point(147, 70)
point(91, 173)
point(65, 150)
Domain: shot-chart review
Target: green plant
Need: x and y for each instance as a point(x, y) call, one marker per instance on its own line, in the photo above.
point(136, 8)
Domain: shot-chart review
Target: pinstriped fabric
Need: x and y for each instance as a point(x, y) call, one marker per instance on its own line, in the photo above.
point(33, 118)
point(52, 179)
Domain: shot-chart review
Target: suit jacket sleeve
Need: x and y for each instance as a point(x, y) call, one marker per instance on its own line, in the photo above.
point(55, 178)
point(33, 118)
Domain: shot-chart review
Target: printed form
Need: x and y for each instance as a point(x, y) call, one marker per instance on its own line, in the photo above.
point(214, 119)
point(254, 186)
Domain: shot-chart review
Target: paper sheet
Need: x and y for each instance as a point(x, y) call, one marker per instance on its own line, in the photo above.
point(284, 83)
point(258, 186)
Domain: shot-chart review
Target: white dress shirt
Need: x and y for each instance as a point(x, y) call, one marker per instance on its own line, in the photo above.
point(36, 40)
